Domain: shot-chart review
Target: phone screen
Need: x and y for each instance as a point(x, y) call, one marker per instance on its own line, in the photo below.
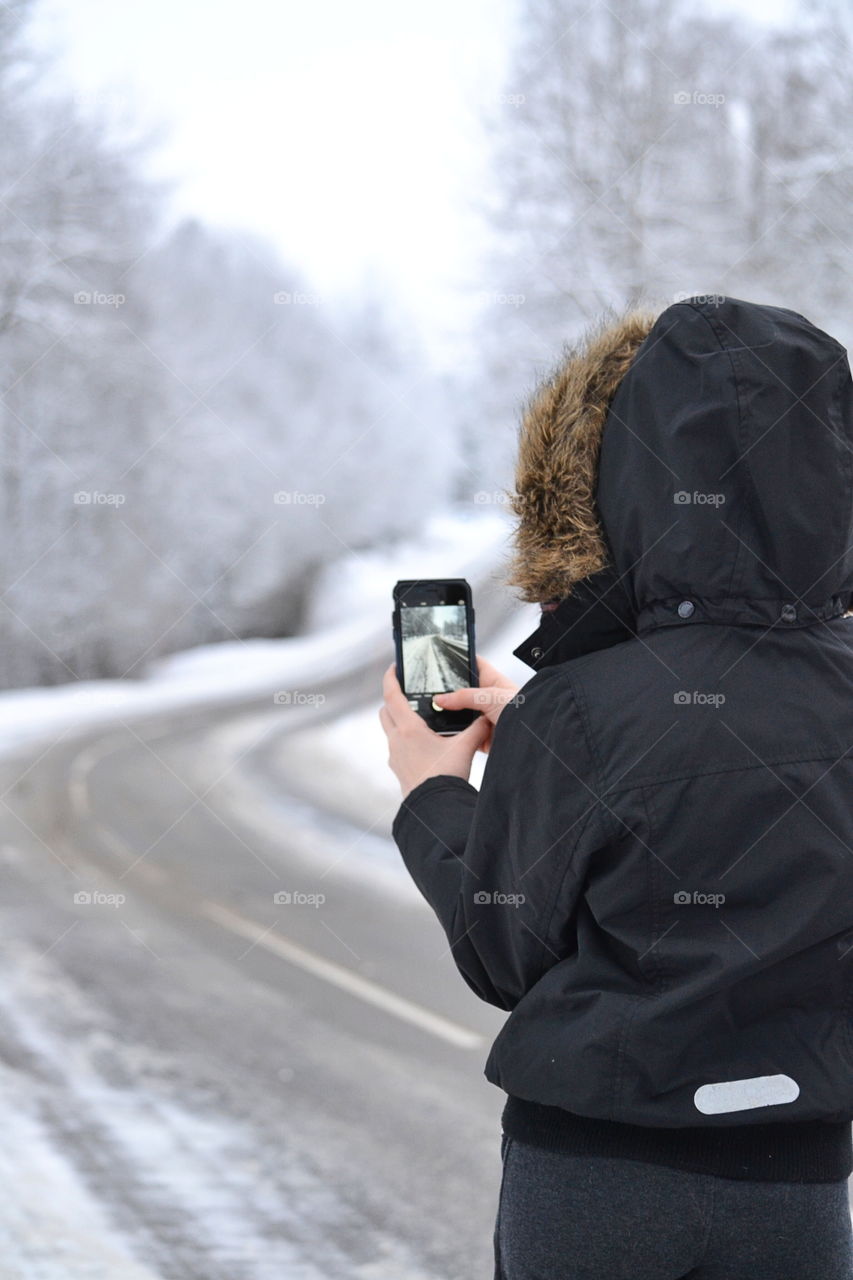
point(435, 647)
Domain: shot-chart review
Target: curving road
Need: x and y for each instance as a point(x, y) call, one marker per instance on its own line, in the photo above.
point(200, 1079)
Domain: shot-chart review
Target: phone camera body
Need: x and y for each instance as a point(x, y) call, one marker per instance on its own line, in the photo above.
point(433, 623)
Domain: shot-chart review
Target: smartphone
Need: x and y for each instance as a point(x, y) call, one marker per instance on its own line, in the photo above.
point(434, 643)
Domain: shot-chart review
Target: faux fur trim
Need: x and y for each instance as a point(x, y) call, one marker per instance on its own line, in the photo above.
point(559, 539)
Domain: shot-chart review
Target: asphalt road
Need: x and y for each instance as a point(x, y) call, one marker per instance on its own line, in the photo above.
point(230, 1053)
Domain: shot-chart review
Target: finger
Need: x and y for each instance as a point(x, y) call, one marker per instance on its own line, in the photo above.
point(386, 717)
point(395, 699)
point(386, 720)
point(478, 699)
point(477, 732)
point(488, 673)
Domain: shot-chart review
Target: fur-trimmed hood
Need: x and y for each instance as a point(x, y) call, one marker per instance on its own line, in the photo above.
point(558, 539)
point(694, 467)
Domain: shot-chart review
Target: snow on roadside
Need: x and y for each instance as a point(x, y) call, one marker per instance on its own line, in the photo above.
point(356, 588)
point(187, 1181)
point(51, 1228)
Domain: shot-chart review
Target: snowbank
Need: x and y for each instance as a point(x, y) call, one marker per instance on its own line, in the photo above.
point(356, 588)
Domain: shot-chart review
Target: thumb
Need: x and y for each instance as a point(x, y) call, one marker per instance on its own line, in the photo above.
point(476, 733)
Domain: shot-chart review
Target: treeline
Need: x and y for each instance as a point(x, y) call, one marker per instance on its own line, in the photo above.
point(188, 430)
point(646, 150)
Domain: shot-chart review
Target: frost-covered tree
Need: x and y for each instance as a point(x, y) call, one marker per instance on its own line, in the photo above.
point(645, 151)
point(78, 395)
point(189, 433)
point(302, 429)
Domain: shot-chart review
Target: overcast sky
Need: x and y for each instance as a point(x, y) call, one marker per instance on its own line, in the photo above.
point(349, 134)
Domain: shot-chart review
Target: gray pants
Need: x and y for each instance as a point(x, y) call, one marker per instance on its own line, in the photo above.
point(565, 1217)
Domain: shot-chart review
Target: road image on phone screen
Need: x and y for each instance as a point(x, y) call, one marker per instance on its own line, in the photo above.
point(435, 647)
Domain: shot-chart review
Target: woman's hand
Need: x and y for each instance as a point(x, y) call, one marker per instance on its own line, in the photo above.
point(416, 752)
point(492, 695)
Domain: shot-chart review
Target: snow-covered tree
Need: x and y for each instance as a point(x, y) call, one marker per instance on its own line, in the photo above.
point(646, 151)
point(189, 432)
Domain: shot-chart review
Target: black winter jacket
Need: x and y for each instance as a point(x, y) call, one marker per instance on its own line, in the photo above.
point(656, 876)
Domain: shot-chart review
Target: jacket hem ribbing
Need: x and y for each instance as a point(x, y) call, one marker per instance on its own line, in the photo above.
point(799, 1151)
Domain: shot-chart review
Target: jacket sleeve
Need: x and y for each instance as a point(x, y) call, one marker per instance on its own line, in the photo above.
point(503, 868)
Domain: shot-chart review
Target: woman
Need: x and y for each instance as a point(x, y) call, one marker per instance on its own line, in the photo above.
point(655, 878)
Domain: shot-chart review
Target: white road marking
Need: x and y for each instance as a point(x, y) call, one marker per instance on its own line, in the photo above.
point(113, 841)
point(339, 976)
point(85, 761)
point(81, 766)
point(345, 979)
point(150, 871)
point(78, 790)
